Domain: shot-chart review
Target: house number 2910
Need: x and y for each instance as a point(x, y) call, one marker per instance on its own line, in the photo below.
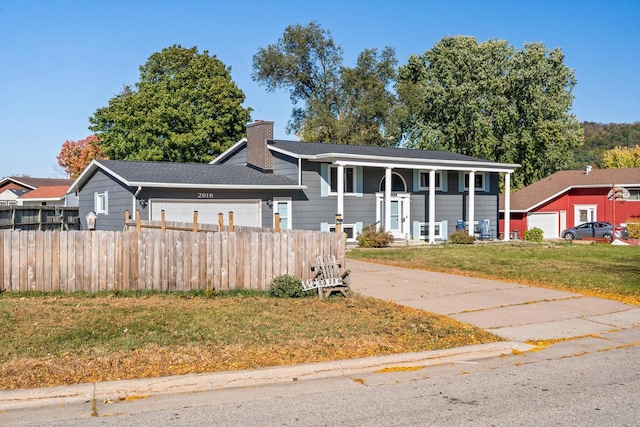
point(205, 195)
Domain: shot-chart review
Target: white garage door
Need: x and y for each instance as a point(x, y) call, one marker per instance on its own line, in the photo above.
point(546, 221)
point(245, 213)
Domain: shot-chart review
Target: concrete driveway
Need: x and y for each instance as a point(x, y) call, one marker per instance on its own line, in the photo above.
point(512, 311)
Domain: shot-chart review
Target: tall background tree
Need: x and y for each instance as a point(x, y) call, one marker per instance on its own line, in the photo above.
point(76, 155)
point(491, 101)
point(185, 108)
point(332, 103)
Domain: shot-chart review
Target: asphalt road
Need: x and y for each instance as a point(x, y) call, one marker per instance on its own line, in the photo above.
point(557, 386)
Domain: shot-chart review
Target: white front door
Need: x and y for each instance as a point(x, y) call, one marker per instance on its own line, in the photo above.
point(400, 220)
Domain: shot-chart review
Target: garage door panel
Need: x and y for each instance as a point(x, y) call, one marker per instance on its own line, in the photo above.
point(244, 213)
point(546, 221)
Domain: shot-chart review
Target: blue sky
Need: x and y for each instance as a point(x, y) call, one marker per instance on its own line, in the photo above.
point(62, 60)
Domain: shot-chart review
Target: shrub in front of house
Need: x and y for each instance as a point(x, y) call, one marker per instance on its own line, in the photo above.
point(286, 286)
point(633, 225)
point(534, 235)
point(461, 238)
point(370, 237)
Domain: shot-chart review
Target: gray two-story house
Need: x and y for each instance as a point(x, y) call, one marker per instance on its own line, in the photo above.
point(414, 194)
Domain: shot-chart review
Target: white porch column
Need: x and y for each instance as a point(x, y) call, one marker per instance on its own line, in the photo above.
point(340, 188)
point(387, 199)
point(472, 202)
point(507, 206)
point(432, 206)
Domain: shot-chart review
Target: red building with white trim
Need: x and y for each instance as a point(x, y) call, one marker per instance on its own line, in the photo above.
point(572, 197)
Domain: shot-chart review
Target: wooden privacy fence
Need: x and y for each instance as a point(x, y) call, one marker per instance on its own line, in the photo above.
point(92, 261)
point(39, 218)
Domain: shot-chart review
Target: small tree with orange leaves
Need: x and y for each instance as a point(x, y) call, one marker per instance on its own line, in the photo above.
point(76, 155)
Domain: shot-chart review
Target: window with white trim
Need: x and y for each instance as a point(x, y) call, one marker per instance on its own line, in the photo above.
point(349, 180)
point(101, 203)
point(348, 229)
point(478, 179)
point(397, 183)
point(634, 194)
point(424, 180)
point(424, 230)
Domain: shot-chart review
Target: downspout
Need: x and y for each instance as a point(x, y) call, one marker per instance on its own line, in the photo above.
point(135, 198)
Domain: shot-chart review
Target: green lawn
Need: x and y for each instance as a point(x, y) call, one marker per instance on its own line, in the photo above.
point(604, 270)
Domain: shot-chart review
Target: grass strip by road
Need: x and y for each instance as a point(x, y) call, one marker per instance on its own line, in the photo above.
point(61, 339)
point(607, 271)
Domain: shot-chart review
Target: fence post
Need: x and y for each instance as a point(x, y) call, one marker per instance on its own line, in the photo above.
point(220, 221)
point(230, 221)
point(276, 219)
point(138, 225)
point(195, 221)
point(339, 223)
point(163, 225)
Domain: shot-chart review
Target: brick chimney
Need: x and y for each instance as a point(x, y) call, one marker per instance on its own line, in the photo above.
point(258, 155)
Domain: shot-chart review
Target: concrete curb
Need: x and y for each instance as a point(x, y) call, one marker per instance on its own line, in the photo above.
point(115, 390)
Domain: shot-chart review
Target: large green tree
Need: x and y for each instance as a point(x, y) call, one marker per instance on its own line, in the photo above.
point(333, 103)
point(185, 108)
point(492, 101)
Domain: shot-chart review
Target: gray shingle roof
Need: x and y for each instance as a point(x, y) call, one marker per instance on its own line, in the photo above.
point(135, 172)
point(38, 182)
point(317, 148)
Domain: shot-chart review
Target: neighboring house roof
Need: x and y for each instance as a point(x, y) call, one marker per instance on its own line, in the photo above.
point(46, 193)
point(389, 155)
point(17, 192)
point(534, 195)
point(11, 194)
point(33, 183)
point(185, 175)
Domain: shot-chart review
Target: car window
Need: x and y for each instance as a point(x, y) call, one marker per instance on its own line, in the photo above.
point(585, 225)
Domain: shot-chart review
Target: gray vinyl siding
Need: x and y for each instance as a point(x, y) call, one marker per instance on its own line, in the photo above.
point(312, 209)
point(315, 209)
point(120, 199)
point(285, 165)
point(71, 200)
point(282, 164)
point(239, 157)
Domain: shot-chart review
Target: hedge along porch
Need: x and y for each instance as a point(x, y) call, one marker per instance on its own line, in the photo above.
point(91, 261)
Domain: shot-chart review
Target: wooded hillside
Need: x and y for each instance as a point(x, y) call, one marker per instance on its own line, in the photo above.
point(599, 137)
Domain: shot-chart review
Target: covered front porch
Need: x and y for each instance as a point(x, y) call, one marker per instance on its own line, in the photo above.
point(422, 209)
